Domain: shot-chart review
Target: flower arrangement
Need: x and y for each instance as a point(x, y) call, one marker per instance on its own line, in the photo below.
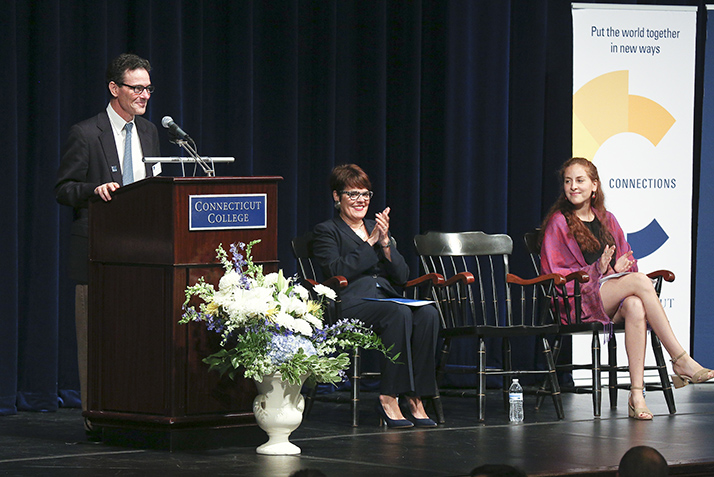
point(270, 323)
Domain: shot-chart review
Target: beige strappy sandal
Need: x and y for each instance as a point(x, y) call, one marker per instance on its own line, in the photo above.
point(637, 412)
point(681, 380)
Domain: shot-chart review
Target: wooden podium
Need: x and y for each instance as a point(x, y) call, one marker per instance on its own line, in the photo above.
point(147, 384)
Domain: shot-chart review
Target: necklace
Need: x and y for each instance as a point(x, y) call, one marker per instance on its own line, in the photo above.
point(360, 232)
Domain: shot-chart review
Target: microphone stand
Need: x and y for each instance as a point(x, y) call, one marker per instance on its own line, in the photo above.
point(190, 147)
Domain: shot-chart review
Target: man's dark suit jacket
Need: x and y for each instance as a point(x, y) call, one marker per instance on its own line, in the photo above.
point(339, 251)
point(89, 159)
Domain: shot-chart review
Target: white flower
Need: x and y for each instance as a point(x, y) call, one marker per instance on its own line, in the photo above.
point(257, 301)
point(296, 325)
point(313, 320)
point(301, 291)
point(277, 281)
point(325, 291)
point(284, 320)
point(242, 304)
point(292, 304)
point(301, 326)
point(270, 279)
point(229, 281)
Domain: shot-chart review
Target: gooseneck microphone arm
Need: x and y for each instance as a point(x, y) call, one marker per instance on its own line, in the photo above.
point(184, 140)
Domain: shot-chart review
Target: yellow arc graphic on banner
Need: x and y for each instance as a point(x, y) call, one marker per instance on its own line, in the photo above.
point(603, 107)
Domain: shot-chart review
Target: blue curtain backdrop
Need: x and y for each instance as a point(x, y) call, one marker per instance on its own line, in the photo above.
point(459, 110)
point(703, 325)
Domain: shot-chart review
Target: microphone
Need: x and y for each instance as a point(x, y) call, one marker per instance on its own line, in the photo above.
point(168, 123)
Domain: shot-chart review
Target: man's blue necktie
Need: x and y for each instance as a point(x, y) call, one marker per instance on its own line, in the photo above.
point(127, 165)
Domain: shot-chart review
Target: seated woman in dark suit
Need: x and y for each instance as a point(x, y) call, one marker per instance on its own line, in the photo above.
point(363, 251)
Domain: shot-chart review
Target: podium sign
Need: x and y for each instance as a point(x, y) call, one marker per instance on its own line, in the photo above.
point(147, 383)
point(227, 212)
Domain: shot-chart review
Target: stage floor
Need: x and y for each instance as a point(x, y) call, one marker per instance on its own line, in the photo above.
point(53, 443)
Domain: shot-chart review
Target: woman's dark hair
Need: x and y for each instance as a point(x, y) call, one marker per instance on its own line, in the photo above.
point(123, 63)
point(349, 175)
point(586, 240)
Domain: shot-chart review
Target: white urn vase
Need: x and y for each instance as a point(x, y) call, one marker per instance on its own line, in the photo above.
point(278, 411)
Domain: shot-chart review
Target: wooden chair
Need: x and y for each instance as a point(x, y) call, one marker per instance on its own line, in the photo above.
point(575, 325)
point(476, 303)
point(310, 273)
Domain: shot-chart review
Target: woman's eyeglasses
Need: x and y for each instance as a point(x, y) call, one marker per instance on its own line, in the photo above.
point(354, 195)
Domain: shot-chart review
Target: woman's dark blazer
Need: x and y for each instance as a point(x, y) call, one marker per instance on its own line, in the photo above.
point(339, 251)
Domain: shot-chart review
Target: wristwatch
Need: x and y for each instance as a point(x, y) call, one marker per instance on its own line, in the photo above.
point(392, 243)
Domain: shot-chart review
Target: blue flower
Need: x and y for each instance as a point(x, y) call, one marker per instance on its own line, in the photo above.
point(319, 336)
point(282, 348)
point(214, 324)
point(238, 260)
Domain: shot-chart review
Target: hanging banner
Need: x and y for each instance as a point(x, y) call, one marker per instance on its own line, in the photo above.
point(633, 116)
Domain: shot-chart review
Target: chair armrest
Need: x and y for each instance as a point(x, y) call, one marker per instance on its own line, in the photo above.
point(434, 278)
point(555, 277)
point(580, 276)
point(465, 277)
point(666, 275)
point(337, 283)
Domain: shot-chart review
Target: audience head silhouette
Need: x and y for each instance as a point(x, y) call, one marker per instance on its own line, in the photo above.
point(497, 470)
point(643, 461)
point(308, 473)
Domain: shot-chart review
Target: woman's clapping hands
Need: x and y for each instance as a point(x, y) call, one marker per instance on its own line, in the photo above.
point(623, 264)
point(382, 227)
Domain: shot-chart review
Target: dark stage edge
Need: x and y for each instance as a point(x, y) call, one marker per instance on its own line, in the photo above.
point(53, 444)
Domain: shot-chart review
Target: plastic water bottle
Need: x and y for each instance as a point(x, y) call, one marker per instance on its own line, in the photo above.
point(515, 402)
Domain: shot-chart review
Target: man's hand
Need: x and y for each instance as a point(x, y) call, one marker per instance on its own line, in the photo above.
point(104, 191)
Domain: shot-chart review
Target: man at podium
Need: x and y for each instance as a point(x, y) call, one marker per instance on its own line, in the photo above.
point(101, 154)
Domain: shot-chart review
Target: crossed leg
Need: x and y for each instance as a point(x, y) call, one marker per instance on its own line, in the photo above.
point(632, 298)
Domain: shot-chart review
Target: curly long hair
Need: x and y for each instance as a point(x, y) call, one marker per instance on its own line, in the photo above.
point(586, 240)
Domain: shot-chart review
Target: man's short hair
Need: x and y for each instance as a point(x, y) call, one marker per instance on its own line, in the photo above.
point(643, 461)
point(123, 63)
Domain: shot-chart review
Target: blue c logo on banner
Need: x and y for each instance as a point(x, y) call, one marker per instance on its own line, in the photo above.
point(646, 241)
